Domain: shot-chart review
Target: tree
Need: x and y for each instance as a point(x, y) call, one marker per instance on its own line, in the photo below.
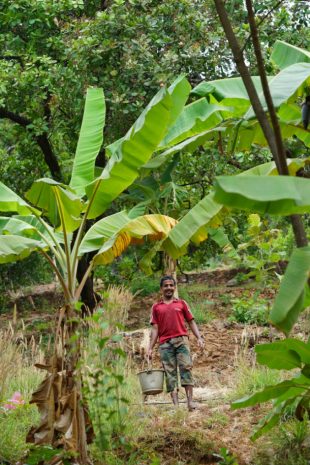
point(46, 223)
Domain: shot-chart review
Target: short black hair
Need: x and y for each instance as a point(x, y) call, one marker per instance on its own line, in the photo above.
point(167, 278)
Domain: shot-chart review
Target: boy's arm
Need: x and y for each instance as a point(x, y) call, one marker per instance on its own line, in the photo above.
point(153, 339)
point(195, 331)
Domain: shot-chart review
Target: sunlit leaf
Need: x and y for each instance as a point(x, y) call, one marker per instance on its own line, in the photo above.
point(90, 140)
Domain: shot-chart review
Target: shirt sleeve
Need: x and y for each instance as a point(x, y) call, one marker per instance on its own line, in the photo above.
point(186, 312)
point(154, 320)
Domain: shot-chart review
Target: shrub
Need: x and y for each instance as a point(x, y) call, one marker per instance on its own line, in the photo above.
point(250, 309)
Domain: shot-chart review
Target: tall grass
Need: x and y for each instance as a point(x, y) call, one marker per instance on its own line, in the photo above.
point(17, 374)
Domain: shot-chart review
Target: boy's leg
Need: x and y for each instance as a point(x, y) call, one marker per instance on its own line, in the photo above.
point(185, 364)
point(169, 362)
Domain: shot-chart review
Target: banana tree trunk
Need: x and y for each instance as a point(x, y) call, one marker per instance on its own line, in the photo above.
point(170, 267)
point(65, 422)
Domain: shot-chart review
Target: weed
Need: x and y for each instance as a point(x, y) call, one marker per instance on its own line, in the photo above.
point(227, 457)
point(217, 418)
point(249, 377)
point(144, 285)
point(250, 309)
point(289, 444)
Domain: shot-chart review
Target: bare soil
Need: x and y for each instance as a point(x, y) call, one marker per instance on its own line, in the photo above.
point(215, 376)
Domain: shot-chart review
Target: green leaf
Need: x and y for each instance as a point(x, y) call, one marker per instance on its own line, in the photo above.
point(11, 202)
point(90, 140)
point(280, 195)
point(194, 221)
point(103, 230)
point(61, 206)
point(290, 298)
point(195, 118)
point(268, 393)
point(283, 355)
point(193, 225)
point(286, 86)
point(226, 88)
point(179, 91)
point(284, 54)
point(156, 227)
point(12, 225)
point(13, 248)
point(189, 145)
point(131, 153)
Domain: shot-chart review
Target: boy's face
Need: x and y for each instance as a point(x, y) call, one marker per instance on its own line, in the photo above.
point(168, 288)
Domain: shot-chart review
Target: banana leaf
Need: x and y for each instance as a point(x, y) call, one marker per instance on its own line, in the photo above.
point(131, 153)
point(280, 195)
point(60, 205)
point(226, 88)
point(155, 227)
point(103, 230)
point(11, 202)
point(283, 355)
point(286, 86)
point(14, 248)
point(193, 225)
point(290, 298)
point(195, 118)
point(90, 140)
point(284, 54)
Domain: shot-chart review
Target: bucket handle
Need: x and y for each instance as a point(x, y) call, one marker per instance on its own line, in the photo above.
point(149, 364)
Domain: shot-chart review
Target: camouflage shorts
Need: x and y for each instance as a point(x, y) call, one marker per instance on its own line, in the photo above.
point(176, 353)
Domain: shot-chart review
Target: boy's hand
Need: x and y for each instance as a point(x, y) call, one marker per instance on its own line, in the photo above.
point(201, 342)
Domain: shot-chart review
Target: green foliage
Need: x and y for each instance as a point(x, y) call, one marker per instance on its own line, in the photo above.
point(33, 270)
point(199, 308)
point(105, 384)
point(286, 444)
point(227, 458)
point(250, 309)
point(144, 285)
point(14, 426)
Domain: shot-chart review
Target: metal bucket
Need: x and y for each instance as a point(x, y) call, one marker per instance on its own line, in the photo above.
point(151, 381)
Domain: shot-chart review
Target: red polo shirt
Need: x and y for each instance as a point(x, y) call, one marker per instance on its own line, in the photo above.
point(171, 318)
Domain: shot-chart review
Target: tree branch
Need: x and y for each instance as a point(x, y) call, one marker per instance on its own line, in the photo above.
point(42, 141)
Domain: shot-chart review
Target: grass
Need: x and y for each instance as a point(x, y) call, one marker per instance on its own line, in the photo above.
point(288, 443)
point(199, 307)
point(17, 357)
point(250, 377)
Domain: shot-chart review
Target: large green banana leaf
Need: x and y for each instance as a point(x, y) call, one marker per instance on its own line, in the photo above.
point(13, 248)
point(11, 202)
point(90, 140)
point(156, 227)
point(283, 355)
point(290, 298)
point(134, 150)
point(189, 145)
point(286, 86)
point(226, 88)
point(12, 225)
point(195, 118)
point(280, 195)
point(179, 92)
point(60, 205)
point(29, 226)
point(103, 230)
point(193, 225)
point(284, 54)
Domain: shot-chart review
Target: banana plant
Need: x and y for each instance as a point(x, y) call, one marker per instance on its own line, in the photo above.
point(52, 220)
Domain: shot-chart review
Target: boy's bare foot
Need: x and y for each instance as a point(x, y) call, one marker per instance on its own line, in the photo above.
point(192, 406)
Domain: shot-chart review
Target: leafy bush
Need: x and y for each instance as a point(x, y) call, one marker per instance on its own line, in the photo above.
point(250, 310)
point(144, 285)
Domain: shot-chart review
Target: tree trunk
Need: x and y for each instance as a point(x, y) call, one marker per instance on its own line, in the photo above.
point(65, 422)
point(272, 134)
point(170, 269)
